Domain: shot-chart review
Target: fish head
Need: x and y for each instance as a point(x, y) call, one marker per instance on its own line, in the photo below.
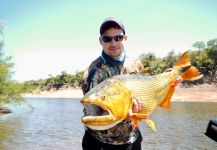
point(106, 104)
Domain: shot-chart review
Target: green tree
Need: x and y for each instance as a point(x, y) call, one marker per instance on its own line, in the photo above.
point(154, 64)
point(10, 90)
point(170, 59)
point(199, 44)
point(147, 58)
point(212, 43)
point(212, 54)
point(201, 60)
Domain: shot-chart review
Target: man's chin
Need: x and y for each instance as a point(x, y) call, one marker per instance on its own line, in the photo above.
point(115, 54)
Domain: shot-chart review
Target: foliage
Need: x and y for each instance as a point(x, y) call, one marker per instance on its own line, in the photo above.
point(212, 43)
point(199, 44)
point(157, 65)
point(205, 59)
point(63, 80)
point(9, 90)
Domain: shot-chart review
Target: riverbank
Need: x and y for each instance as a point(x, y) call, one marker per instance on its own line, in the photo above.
point(195, 93)
point(61, 93)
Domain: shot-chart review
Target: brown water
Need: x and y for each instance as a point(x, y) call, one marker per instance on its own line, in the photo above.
point(55, 124)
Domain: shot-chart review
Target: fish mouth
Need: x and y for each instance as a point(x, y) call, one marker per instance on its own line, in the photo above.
point(94, 109)
point(99, 117)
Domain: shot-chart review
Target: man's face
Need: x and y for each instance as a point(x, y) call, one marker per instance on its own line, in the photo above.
point(112, 42)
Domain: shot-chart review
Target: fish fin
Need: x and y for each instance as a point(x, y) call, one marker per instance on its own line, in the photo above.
point(151, 124)
point(136, 117)
point(184, 60)
point(189, 72)
point(135, 121)
point(166, 102)
point(192, 73)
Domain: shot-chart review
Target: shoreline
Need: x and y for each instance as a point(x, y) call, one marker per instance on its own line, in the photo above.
point(61, 93)
point(195, 93)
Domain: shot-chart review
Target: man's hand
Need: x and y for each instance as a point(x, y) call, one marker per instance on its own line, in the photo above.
point(178, 80)
point(137, 106)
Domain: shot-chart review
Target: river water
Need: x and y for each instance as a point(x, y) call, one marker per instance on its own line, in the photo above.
point(53, 124)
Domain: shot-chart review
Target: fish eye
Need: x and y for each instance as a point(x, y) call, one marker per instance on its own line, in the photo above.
point(103, 97)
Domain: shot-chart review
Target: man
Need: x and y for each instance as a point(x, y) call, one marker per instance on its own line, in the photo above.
point(110, 63)
point(123, 136)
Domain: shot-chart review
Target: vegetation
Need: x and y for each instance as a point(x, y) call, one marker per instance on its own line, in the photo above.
point(64, 80)
point(10, 90)
point(156, 64)
point(204, 58)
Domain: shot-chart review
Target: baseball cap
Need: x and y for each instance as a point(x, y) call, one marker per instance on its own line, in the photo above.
point(111, 22)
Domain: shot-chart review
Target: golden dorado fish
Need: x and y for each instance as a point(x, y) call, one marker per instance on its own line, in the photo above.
point(110, 101)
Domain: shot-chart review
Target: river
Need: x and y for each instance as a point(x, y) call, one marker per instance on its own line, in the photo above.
point(49, 124)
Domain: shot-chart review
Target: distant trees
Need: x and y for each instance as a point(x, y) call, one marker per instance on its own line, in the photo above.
point(156, 64)
point(63, 80)
point(199, 44)
point(9, 90)
point(212, 43)
point(205, 58)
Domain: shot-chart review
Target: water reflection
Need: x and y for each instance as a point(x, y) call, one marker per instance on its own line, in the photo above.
point(55, 124)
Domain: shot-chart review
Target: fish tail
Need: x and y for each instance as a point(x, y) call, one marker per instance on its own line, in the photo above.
point(188, 72)
point(191, 74)
point(183, 61)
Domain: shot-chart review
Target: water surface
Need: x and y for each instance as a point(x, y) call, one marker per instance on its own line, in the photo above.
point(55, 124)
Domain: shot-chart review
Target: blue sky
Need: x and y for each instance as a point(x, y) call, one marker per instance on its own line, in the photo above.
point(48, 37)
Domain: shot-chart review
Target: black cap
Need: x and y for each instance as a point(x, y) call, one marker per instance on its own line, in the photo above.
point(111, 22)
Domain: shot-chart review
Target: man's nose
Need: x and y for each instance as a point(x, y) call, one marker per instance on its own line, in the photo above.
point(113, 42)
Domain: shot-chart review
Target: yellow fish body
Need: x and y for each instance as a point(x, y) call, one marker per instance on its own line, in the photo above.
point(111, 100)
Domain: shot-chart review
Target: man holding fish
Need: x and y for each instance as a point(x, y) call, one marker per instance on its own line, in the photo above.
point(124, 135)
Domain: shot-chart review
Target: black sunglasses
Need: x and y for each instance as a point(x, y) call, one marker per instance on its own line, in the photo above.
point(108, 39)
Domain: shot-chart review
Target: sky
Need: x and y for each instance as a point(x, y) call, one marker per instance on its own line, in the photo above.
point(46, 37)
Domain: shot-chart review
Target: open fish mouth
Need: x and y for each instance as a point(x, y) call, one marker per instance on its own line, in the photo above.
point(94, 110)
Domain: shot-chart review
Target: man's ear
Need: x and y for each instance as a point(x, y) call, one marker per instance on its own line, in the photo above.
point(100, 40)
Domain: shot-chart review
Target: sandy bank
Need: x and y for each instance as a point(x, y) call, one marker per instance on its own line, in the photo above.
point(200, 93)
point(61, 93)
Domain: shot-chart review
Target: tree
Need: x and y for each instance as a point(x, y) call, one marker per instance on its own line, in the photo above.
point(199, 44)
point(170, 59)
point(212, 43)
point(212, 54)
point(147, 58)
point(201, 60)
point(9, 89)
point(154, 64)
